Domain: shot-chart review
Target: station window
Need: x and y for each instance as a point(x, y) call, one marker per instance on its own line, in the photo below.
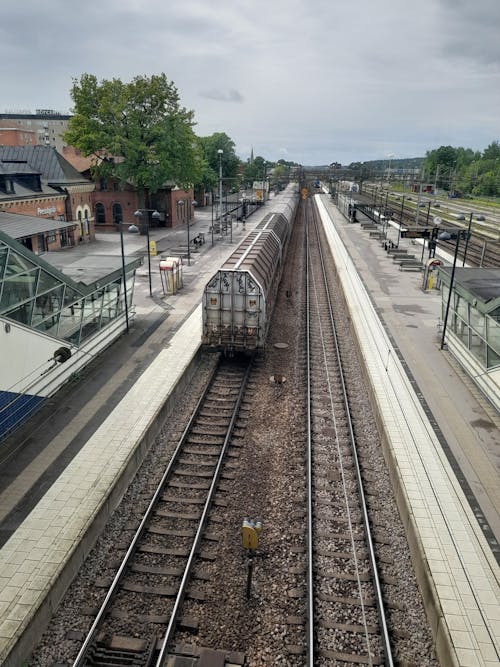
point(100, 214)
point(117, 214)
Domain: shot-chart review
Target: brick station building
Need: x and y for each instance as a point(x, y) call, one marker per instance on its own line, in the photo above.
point(37, 181)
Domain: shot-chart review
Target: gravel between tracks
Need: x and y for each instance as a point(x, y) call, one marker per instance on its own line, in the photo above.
point(269, 485)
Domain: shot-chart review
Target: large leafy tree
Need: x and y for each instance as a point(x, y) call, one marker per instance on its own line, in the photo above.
point(228, 159)
point(492, 152)
point(254, 171)
point(471, 172)
point(440, 163)
point(139, 131)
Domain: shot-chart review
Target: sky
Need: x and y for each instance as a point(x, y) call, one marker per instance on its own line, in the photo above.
point(313, 82)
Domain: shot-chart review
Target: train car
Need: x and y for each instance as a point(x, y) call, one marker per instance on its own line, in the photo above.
point(349, 186)
point(316, 183)
point(238, 301)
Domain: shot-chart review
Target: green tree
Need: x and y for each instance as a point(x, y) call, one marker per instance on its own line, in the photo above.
point(139, 129)
point(488, 184)
point(440, 164)
point(492, 152)
point(254, 171)
point(280, 174)
point(210, 147)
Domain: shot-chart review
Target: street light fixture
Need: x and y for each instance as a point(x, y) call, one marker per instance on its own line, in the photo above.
point(390, 156)
point(188, 213)
point(401, 218)
point(219, 152)
point(138, 215)
point(124, 276)
point(446, 236)
point(264, 184)
point(212, 228)
point(180, 205)
point(156, 217)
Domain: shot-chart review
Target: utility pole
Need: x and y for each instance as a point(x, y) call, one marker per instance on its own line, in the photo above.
point(419, 198)
point(436, 178)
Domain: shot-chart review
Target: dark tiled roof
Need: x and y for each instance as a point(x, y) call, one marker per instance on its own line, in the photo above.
point(11, 168)
point(23, 191)
point(55, 169)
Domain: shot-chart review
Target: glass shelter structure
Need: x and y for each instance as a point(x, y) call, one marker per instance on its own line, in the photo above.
point(473, 328)
point(43, 309)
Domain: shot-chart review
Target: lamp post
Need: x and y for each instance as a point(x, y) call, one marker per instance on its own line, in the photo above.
point(124, 275)
point(390, 156)
point(468, 237)
point(156, 216)
point(264, 184)
point(138, 215)
point(436, 178)
point(401, 219)
point(180, 206)
point(188, 212)
point(219, 152)
point(212, 217)
point(244, 216)
point(446, 236)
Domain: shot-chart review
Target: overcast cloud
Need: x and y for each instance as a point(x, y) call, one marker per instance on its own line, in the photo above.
point(314, 82)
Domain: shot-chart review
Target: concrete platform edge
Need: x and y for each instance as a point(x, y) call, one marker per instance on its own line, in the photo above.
point(446, 650)
point(33, 627)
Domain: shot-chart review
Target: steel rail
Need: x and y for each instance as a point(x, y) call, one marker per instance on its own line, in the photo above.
point(310, 574)
point(167, 638)
point(352, 438)
point(82, 654)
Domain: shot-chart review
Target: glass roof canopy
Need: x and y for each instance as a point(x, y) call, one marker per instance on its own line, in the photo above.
point(37, 295)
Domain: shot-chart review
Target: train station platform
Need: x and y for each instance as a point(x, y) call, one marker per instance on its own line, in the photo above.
point(56, 472)
point(44, 515)
point(440, 438)
point(467, 422)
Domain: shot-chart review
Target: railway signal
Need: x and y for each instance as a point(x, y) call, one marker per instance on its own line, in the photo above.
point(250, 533)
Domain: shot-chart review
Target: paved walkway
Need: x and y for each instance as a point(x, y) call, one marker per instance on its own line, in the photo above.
point(32, 458)
point(469, 425)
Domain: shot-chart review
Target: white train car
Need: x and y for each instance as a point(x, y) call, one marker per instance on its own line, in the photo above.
point(238, 301)
point(349, 186)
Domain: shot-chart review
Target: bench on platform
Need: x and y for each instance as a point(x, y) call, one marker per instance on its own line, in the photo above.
point(397, 259)
point(410, 267)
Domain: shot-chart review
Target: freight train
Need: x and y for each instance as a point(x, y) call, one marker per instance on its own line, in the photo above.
point(238, 301)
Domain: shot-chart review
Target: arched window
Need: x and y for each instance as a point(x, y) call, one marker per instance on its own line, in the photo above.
point(100, 214)
point(80, 224)
point(117, 214)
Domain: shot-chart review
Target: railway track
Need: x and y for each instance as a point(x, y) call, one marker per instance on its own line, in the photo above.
point(270, 624)
point(482, 250)
point(163, 565)
point(346, 615)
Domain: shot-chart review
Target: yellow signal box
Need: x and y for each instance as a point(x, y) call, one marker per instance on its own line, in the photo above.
point(250, 532)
